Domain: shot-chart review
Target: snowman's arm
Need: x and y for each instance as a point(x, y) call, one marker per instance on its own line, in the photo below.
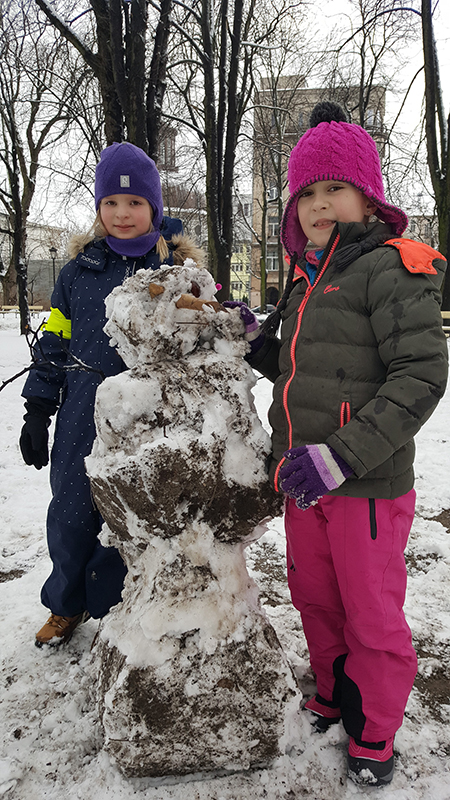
point(196, 303)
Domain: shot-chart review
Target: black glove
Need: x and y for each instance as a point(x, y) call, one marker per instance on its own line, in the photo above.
point(34, 436)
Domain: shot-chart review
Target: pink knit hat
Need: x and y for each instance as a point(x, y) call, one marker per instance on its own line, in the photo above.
point(335, 150)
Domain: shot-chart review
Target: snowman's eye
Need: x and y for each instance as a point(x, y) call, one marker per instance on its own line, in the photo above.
point(195, 289)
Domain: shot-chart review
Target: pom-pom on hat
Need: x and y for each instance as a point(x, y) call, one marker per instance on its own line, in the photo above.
point(126, 169)
point(334, 149)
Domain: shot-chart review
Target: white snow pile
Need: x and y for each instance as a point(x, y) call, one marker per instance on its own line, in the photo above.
point(188, 661)
point(52, 738)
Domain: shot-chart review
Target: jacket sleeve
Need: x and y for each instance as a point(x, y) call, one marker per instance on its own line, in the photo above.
point(265, 359)
point(404, 311)
point(47, 377)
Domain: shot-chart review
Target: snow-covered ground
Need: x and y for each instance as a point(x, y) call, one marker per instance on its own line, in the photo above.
point(51, 740)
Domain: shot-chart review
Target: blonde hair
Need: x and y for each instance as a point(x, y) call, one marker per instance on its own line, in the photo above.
point(97, 231)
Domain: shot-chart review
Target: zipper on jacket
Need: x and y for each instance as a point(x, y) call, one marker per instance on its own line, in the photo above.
point(345, 413)
point(372, 519)
point(300, 311)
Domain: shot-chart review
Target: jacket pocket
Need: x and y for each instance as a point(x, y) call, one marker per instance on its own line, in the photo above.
point(372, 518)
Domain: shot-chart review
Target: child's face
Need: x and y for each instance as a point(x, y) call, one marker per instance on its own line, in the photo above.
point(324, 203)
point(126, 216)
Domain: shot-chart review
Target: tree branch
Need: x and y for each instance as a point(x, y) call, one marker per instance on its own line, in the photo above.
point(70, 35)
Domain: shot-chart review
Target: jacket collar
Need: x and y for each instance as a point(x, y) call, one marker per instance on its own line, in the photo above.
point(355, 236)
point(355, 232)
point(98, 254)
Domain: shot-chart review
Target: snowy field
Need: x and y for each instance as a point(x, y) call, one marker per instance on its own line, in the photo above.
point(51, 743)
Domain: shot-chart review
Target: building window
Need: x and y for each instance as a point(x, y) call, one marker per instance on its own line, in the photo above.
point(372, 118)
point(272, 260)
point(247, 209)
point(274, 226)
point(272, 193)
point(235, 286)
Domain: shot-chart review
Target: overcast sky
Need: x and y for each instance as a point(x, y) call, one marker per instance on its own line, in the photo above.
point(333, 9)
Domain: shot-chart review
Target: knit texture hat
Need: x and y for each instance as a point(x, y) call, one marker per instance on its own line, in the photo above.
point(334, 149)
point(126, 169)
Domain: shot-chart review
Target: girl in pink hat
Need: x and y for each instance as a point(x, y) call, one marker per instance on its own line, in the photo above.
point(360, 366)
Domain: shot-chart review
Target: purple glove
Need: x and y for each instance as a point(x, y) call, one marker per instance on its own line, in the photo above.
point(252, 334)
point(312, 471)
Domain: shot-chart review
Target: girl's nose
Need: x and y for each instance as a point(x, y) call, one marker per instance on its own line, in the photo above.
point(320, 201)
point(122, 212)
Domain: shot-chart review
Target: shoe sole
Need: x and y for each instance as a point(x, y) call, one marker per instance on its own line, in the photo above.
point(57, 641)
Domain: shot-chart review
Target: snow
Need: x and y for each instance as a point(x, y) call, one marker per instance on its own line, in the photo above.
point(51, 738)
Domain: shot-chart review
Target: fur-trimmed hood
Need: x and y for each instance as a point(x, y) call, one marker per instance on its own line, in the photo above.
point(184, 248)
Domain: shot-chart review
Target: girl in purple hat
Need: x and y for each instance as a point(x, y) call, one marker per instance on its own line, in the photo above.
point(129, 233)
point(360, 366)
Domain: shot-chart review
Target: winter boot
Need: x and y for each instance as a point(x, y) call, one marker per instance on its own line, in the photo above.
point(58, 630)
point(325, 714)
point(371, 763)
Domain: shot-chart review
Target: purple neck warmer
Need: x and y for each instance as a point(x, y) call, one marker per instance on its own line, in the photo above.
point(133, 248)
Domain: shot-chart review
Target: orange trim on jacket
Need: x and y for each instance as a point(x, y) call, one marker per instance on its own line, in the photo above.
point(416, 256)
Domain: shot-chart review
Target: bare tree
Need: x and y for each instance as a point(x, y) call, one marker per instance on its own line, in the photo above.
point(437, 133)
point(220, 43)
point(392, 23)
point(128, 56)
point(33, 118)
point(364, 54)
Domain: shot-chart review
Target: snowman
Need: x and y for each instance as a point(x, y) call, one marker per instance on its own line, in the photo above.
point(191, 675)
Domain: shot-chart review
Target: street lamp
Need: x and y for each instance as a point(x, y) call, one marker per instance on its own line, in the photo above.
point(53, 253)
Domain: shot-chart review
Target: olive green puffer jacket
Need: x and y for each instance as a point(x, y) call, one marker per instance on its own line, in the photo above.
point(362, 361)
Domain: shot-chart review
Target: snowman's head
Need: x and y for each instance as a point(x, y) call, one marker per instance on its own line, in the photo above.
point(168, 314)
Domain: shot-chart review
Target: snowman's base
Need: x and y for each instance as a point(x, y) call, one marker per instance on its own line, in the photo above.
point(205, 713)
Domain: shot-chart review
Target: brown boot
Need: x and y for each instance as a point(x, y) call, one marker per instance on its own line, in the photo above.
point(58, 630)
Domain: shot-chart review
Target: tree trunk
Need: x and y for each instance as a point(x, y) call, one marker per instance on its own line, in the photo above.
point(105, 72)
point(136, 78)
point(263, 259)
point(131, 107)
point(19, 240)
point(157, 82)
point(279, 245)
point(438, 155)
point(9, 285)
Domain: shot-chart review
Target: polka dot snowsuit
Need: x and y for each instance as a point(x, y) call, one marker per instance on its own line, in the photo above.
point(85, 575)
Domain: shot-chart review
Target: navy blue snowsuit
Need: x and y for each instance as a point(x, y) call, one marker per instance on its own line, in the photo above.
point(86, 575)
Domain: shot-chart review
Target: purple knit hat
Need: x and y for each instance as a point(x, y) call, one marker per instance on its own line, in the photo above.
point(334, 150)
point(126, 169)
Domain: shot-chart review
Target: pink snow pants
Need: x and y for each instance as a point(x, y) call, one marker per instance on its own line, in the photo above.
point(347, 577)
